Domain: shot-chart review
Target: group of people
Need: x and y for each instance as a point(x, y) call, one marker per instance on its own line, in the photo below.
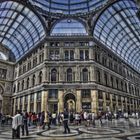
point(22, 120)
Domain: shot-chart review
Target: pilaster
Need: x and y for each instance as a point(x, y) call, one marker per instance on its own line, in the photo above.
point(94, 101)
point(104, 101)
point(78, 101)
point(18, 103)
point(111, 103)
point(35, 102)
point(60, 101)
point(23, 103)
point(44, 101)
point(28, 106)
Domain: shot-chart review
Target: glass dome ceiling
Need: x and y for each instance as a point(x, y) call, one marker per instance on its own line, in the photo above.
point(118, 28)
point(68, 7)
point(20, 28)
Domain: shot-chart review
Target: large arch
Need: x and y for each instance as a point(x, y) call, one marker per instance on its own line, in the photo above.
point(21, 27)
point(118, 27)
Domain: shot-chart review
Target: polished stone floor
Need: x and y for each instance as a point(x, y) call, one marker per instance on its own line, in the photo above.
point(116, 130)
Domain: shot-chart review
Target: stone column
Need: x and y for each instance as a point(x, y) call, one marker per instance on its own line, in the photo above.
point(23, 103)
point(61, 74)
point(126, 109)
point(122, 106)
point(78, 101)
point(90, 53)
point(117, 106)
point(94, 73)
point(76, 53)
point(18, 104)
point(28, 106)
point(136, 102)
point(111, 103)
point(77, 73)
point(104, 101)
point(133, 104)
point(94, 101)
point(35, 102)
point(47, 74)
point(44, 74)
point(60, 101)
point(44, 101)
point(45, 51)
point(14, 106)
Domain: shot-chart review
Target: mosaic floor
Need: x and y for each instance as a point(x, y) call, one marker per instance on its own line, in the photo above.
point(115, 130)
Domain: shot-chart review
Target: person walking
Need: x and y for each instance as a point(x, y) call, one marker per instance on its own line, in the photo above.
point(16, 123)
point(25, 124)
point(46, 120)
point(65, 121)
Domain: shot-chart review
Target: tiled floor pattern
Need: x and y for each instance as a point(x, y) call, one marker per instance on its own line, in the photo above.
point(116, 130)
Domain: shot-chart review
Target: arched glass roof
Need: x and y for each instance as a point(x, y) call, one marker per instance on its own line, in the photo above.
point(118, 28)
point(20, 27)
point(68, 7)
point(68, 27)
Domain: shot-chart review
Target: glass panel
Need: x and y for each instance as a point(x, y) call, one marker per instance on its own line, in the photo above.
point(118, 28)
point(20, 28)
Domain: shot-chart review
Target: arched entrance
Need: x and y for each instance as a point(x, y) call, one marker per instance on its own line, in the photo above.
point(69, 102)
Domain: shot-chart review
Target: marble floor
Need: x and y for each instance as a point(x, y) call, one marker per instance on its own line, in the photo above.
point(116, 130)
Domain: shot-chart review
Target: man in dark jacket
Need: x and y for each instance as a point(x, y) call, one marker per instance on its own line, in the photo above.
point(25, 124)
point(65, 121)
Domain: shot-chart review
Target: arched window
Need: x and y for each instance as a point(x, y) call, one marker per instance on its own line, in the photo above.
point(28, 82)
point(105, 78)
point(117, 83)
point(98, 76)
point(130, 89)
point(40, 77)
point(66, 55)
point(22, 85)
point(18, 86)
point(112, 81)
point(126, 87)
point(33, 80)
point(53, 75)
point(121, 85)
point(14, 88)
point(69, 75)
point(85, 75)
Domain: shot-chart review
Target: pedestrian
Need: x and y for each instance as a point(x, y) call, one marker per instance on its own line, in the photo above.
point(25, 123)
point(65, 122)
point(46, 120)
point(16, 124)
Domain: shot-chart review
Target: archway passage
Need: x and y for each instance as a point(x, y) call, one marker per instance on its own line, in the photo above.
point(69, 102)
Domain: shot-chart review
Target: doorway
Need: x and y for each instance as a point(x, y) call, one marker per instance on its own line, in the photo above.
point(69, 102)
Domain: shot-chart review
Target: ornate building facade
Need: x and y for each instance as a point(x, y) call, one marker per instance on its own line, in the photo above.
point(75, 73)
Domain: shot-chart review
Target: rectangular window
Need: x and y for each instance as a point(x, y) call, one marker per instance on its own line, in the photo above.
point(39, 96)
point(86, 105)
point(86, 55)
point(32, 98)
point(81, 55)
point(53, 93)
point(85, 93)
